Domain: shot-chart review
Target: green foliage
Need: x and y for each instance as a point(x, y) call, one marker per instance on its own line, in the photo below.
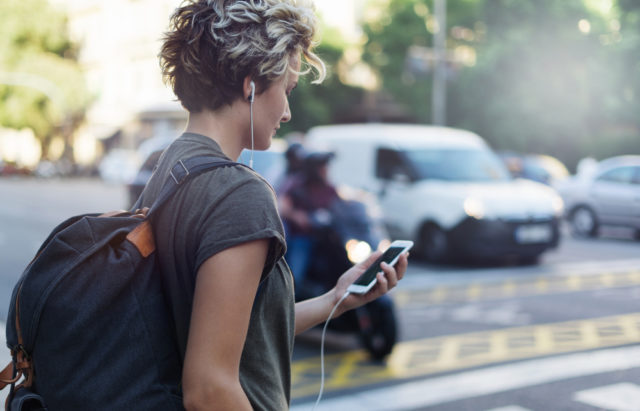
point(41, 84)
point(388, 40)
point(313, 104)
point(550, 76)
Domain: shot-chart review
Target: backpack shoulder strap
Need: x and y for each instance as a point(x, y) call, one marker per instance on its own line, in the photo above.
point(183, 170)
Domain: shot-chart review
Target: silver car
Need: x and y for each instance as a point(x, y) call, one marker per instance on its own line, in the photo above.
point(609, 195)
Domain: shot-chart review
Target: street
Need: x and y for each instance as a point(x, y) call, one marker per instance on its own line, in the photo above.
point(560, 335)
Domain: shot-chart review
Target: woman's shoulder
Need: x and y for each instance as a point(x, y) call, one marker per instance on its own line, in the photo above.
point(242, 180)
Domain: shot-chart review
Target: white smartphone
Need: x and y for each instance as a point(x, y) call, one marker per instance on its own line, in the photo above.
point(369, 278)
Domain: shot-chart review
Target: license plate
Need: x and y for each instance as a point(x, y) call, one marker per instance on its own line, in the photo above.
point(534, 233)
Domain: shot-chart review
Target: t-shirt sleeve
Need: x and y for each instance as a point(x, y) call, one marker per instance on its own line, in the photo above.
point(244, 211)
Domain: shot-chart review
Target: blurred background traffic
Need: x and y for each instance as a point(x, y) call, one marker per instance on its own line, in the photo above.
point(550, 90)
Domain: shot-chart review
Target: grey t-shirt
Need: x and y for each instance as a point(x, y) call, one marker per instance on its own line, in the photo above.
point(214, 211)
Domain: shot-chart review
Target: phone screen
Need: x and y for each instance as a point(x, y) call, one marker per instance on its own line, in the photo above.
point(370, 274)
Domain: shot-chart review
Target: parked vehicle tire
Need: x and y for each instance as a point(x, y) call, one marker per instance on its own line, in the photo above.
point(529, 260)
point(378, 327)
point(434, 243)
point(583, 222)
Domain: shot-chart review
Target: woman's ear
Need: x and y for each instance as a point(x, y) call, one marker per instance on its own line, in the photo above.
point(249, 89)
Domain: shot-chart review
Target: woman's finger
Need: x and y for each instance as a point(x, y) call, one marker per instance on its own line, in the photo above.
point(383, 283)
point(401, 266)
point(390, 274)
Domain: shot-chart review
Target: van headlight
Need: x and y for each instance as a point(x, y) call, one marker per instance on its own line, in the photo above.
point(474, 208)
point(557, 206)
point(357, 251)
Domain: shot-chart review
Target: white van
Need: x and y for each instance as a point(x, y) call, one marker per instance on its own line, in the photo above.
point(443, 188)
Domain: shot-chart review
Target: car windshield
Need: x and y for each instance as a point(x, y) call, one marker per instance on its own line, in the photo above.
point(458, 165)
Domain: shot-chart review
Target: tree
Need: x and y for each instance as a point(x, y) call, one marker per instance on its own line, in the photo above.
point(393, 27)
point(312, 104)
point(548, 76)
point(540, 80)
point(41, 84)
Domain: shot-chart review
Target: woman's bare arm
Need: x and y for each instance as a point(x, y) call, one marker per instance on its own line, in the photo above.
point(226, 286)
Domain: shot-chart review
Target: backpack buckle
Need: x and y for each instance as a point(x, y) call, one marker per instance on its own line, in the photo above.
point(181, 176)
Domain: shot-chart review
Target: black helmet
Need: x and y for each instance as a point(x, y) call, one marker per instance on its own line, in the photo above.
point(314, 161)
point(295, 152)
point(295, 156)
point(318, 158)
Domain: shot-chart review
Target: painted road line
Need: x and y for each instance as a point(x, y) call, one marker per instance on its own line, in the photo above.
point(416, 278)
point(515, 287)
point(510, 408)
point(430, 392)
point(417, 358)
point(617, 397)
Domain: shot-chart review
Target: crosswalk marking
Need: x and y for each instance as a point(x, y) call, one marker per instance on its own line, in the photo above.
point(617, 397)
point(455, 352)
point(429, 392)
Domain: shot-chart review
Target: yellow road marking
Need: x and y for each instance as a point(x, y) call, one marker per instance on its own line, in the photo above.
point(454, 352)
point(634, 277)
point(607, 279)
point(574, 282)
point(509, 287)
point(542, 284)
point(438, 295)
point(474, 291)
point(512, 287)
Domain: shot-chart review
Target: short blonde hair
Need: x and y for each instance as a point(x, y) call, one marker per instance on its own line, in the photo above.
point(212, 45)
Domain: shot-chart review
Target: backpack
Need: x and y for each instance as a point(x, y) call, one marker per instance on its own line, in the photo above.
point(88, 324)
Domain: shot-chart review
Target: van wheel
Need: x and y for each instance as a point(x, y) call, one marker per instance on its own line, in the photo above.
point(529, 260)
point(434, 243)
point(583, 222)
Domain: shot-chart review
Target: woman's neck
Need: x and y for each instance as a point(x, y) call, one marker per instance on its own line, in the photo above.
point(224, 126)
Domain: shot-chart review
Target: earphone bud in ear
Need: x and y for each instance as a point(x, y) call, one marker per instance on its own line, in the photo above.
point(253, 91)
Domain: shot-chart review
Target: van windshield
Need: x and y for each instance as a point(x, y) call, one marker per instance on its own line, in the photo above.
point(458, 165)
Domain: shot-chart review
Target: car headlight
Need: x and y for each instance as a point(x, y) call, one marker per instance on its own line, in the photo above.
point(474, 208)
point(357, 251)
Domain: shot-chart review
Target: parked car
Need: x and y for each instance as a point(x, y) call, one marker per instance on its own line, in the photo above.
point(608, 195)
point(445, 189)
point(542, 168)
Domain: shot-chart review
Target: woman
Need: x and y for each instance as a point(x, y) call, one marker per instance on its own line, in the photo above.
point(232, 64)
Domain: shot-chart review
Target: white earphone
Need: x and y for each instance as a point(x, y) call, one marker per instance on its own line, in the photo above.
point(253, 91)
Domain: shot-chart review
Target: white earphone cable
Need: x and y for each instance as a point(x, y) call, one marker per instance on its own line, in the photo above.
point(324, 333)
point(251, 116)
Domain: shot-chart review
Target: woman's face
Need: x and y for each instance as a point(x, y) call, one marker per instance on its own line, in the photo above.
point(271, 107)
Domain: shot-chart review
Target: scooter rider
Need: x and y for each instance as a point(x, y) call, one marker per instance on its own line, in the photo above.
point(303, 195)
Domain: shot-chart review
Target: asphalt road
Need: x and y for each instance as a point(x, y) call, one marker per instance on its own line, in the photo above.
point(562, 334)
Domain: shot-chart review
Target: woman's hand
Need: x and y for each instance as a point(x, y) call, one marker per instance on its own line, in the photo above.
point(316, 310)
point(387, 279)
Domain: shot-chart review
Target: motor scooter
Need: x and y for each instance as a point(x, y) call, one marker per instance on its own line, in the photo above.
point(343, 234)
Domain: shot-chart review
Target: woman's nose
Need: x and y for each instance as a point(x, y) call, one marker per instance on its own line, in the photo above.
point(286, 116)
